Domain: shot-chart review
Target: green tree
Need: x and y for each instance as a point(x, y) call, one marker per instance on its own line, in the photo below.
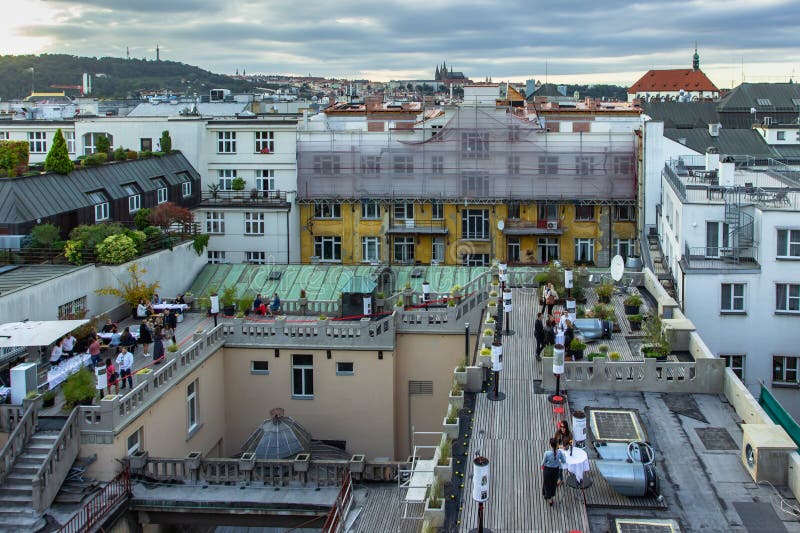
point(102, 144)
point(166, 142)
point(57, 159)
point(44, 235)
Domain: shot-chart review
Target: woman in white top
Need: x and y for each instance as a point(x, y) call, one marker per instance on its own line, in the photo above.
point(141, 309)
point(57, 353)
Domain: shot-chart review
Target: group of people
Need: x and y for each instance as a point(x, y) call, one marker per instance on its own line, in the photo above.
point(554, 461)
point(546, 332)
point(261, 308)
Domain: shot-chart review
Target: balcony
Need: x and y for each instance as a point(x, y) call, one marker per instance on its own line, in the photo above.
point(251, 198)
point(415, 227)
point(515, 227)
point(720, 258)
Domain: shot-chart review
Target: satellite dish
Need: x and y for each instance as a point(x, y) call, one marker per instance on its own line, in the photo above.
point(617, 268)
point(501, 224)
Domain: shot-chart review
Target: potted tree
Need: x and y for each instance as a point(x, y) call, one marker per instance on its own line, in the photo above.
point(576, 348)
point(632, 304)
point(238, 185)
point(49, 398)
point(79, 389)
point(133, 290)
point(604, 292)
point(244, 305)
point(227, 300)
point(635, 322)
point(656, 343)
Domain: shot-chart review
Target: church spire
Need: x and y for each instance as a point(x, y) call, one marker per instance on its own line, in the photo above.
point(695, 59)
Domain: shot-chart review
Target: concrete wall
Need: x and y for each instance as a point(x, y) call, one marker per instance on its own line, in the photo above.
point(174, 270)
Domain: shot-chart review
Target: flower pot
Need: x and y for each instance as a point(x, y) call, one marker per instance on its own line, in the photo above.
point(228, 310)
point(444, 472)
point(486, 340)
point(435, 517)
point(138, 459)
point(357, 464)
point(457, 401)
point(631, 309)
point(301, 462)
point(605, 299)
point(451, 430)
point(460, 377)
point(636, 326)
point(192, 461)
point(485, 360)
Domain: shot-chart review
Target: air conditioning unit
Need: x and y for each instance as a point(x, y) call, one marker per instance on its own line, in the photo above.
point(410, 223)
point(552, 224)
point(765, 452)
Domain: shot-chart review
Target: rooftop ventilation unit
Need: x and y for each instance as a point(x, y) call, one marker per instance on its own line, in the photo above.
point(416, 273)
point(552, 224)
point(275, 275)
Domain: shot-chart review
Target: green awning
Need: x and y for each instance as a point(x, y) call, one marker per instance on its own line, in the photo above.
point(778, 414)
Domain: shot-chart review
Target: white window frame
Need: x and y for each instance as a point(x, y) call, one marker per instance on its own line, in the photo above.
point(265, 180)
point(624, 213)
point(513, 166)
point(102, 209)
point(216, 257)
point(333, 243)
point(437, 165)
point(37, 142)
point(792, 240)
point(370, 210)
point(255, 258)
point(791, 298)
point(733, 298)
point(475, 260)
point(215, 222)
point(475, 224)
point(549, 249)
point(162, 195)
point(548, 165)
point(137, 437)
point(327, 210)
point(403, 164)
point(342, 370)
point(260, 371)
point(186, 188)
point(301, 371)
point(225, 177)
point(69, 137)
point(437, 250)
point(226, 142)
point(134, 197)
point(254, 223)
point(192, 406)
point(729, 363)
point(327, 165)
point(406, 246)
point(513, 250)
point(588, 244)
point(626, 245)
point(4, 136)
point(370, 165)
point(404, 211)
point(437, 210)
point(265, 139)
point(474, 145)
point(789, 364)
point(370, 249)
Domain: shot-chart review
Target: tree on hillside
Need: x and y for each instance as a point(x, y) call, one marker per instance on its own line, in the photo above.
point(166, 142)
point(57, 159)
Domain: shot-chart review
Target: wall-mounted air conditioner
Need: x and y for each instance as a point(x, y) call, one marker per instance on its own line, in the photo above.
point(765, 452)
point(552, 224)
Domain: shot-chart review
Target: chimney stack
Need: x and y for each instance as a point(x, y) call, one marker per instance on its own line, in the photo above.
point(712, 158)
point(727, 170)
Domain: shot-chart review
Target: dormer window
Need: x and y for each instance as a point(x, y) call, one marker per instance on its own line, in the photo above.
point(101, 207)
point(161, 190)
point(134, 197)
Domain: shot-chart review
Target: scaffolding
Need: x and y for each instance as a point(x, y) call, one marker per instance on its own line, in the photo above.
point(479, 154)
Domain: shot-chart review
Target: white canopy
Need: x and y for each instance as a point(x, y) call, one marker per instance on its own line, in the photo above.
point(40, 333)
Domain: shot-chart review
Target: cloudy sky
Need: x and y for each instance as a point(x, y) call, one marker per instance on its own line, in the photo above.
point(581, 41)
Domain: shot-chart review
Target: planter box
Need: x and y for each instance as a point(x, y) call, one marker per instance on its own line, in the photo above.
point(487, 340)
point(247, 462)
point(451, 430)
point(435, 517)
point(192, 461)
point(631, 309)
point(301, 462)
point(485, 360)
point(460, 377)
point(636, 326)
point(357, 464)
point(445, 473)
point(457, 401)
point(138, 459)
point(493, 309)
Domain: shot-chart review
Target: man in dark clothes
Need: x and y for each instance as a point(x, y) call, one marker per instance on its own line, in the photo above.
point(538, 333)
point(550, 333)
point(171, 321)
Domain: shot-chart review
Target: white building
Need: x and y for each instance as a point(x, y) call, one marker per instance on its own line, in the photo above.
point(730, 233)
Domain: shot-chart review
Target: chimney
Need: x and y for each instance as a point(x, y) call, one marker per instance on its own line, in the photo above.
point(712, 158)
point(727, 170)
point(713, 129)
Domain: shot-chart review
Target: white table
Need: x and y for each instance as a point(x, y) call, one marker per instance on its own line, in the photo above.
point(161, 307)
point(577, 462)
point(107, 336)
point(58, 374)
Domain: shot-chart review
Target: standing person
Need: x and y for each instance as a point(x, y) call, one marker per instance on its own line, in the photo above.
point(127, 340)
point(275, 306)
point(116, 338)
point(551, 469)
point(125, 365)
point(550, 333)
point(171, 323)
point(111, 376)
point(158, 346)
point(69, 345)
point(550, 297)
point(145, 337)
point(569, 334)
point(58, 352)
point(94, 350)
point(538, 333)
point(564, 438)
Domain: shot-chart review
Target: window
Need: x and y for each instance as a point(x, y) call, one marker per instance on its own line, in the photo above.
point(370, 210)
point(513, 210)
point(584, 250)
point(437, 211)
point(254, 223)
point(512, 166)
point(622, 165)
point(404, 250)
point(437, 250)
point(69, 136)
point(732, 298)
point(513, 250)
point(265, 180)
point(226, 177)
point(327, 210)
point(4, 136)
point(161, 190)
point(474, 145)
point(370, 249)
point(583, 165)
point(37, 142)
point(191, 405)
point(328, 248)
point(437, 165)
point(623, 213)
point(403, 164)
point(475, 224)
point(370, 165)
point(625, 247)
point(344, 369)
point(134, 197)
point(584, 212)
point(215, 222)
point(787, 297)
point(255, 258)
point(475, 185)
point(781, 135)
point(404, 211)
point(186, 188)
point(784, 369)
point(735, 363)
point(146, 144)
point(90, 141)
point(475, 260)
point(265, 142)
point(548, 165)
point(101, 207)
point(73, 309)
point(135, 441)
point(302, 376)
point(763, 101)
point(259, 367)
point(548, 249)
point(327, 164)
point(226, 142)
point(717, 239)
point(215, 258)
point(548, 211)
point(789, 243)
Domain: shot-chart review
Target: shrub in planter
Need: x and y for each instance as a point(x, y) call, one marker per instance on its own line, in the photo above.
point(615, 356)
point(227, 300)
point(603, 349)
point(172, 348)
point(576, 348)
point(632, 304)
point(79, 388)
point(604, 292)
point(49, 398)
point(244, 305)
point(636, 322)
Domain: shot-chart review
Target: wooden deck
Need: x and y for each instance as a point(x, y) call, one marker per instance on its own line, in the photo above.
point(600, 494)
point(380, 508)
point(513, 434)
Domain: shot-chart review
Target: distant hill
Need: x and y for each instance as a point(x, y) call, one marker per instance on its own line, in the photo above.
point(112, 77)
point(599, 91)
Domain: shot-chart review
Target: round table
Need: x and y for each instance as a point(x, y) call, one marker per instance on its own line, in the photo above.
point(577, 462)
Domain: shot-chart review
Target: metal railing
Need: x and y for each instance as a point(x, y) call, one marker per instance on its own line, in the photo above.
point(101, 505)
point(713, 257)
point(251, 197)
point(335, 523)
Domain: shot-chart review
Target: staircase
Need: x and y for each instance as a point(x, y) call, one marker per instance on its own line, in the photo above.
point(740, 224)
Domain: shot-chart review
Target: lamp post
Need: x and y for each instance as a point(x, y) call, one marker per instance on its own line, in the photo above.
point(507, 310)
point(497, 366)
point(466, 344)
point(480, 488)
point(568, 281)
point(426, 293)
point(558, 366)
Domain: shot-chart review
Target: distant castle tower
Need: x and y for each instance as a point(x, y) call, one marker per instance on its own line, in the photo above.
point(158, 53)
point(695, 59)
point(128, 51)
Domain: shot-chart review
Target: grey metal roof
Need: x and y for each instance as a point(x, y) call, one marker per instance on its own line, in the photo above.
point(18, 277)
point(220, 109)
point(27, 198)
point(747, 95)
point(730, 141)
point(682, 114)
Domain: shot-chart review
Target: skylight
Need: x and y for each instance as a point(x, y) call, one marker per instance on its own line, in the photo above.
point(763, 101)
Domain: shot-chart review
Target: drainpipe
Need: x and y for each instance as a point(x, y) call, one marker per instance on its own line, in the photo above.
point(288, 238)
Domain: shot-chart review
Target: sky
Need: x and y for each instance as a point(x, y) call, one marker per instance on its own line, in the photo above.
point(568, 41)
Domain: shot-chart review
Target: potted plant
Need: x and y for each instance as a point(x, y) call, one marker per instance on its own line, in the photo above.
point(493, 294)
point(143, 375)
point(323, 320)
point(488, 336)
point(604, 292)
point(398, 305)
point(79, 389)
point(456, 397)
point(656, 341)
point(228, 300)
point(132, 290)
point(213, 189)
point(49, 398)
point(635, 322)
point(172, 348)
point(244, 305)
point(379, 301)
point(632, 304)
point(486, 356)
point(603, 349)
point(33, 398)
point(188, 298)
point(615, 356)
point(460, 374)
point(444, 467)
point(455, 292)
point(450, 423)
point(434, 505)
point(492, 307)
point(576, 348)
point(238, 185)
point(137, 460)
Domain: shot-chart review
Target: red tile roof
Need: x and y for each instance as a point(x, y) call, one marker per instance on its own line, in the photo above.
point(673, 80)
